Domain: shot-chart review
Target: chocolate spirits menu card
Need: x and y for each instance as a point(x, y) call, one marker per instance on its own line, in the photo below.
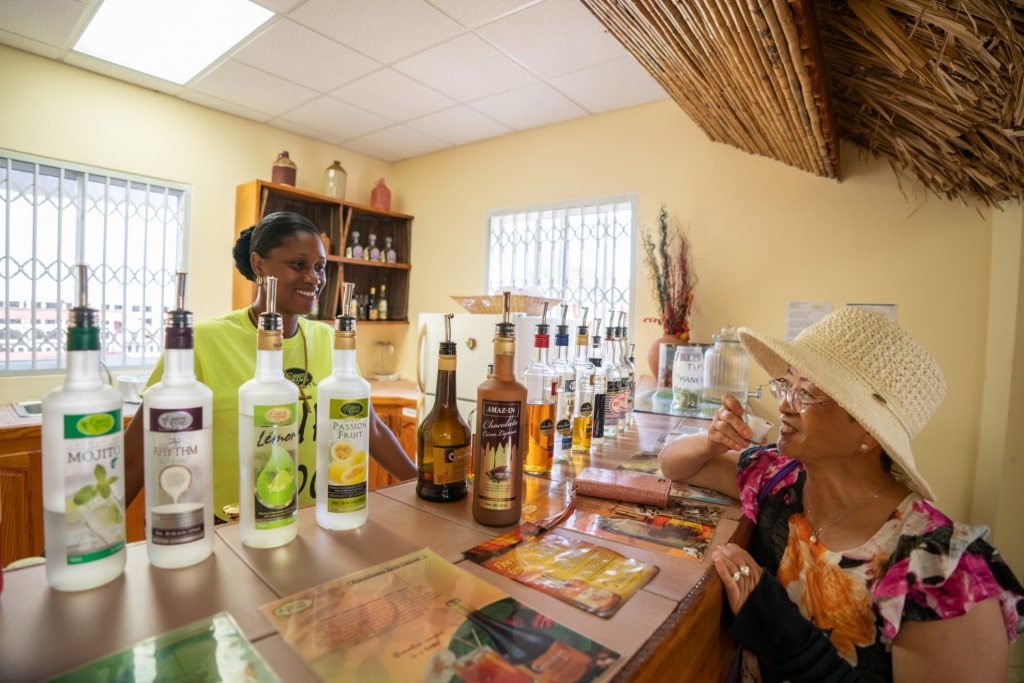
point(421, 618)
point(590, 577)
point(206, 651)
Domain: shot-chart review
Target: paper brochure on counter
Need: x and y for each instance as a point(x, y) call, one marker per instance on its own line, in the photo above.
point(421, 618)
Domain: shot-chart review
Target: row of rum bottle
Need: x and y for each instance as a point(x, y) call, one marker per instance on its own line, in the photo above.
point(372, 306)
point(577, 402)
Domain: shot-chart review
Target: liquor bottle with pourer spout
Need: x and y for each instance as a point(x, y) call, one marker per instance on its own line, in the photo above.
point(268, 441)
point(583, 406)
point(541, 393)
point(343, 433)
point(565, 403)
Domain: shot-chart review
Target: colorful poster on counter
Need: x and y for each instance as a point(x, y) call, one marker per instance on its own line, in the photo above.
point(593, 578)
point(421, 618)
point(206, 651)
point(682, 528)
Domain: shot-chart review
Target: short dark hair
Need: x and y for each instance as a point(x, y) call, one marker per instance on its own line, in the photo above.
point(268, 234)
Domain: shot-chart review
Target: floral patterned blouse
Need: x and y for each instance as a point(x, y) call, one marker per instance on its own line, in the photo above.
point(920, 566)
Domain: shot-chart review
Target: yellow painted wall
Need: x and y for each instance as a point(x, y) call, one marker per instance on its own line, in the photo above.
point(762, 234)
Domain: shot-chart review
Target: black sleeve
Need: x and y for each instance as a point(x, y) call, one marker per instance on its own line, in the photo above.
point(794, 649)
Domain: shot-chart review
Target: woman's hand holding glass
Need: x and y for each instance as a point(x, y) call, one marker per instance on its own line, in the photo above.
point(728, 431)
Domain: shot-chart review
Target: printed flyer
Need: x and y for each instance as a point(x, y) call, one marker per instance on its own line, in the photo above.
point(682, 528)
point(595, 579)
point(421, 618)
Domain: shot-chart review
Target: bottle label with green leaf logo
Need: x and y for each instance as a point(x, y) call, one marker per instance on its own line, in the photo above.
point(274, 457)
point(94, 521)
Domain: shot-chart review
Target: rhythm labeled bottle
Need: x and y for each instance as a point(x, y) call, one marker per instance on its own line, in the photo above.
point(444, 437)
point(83, 463)
point(268, 439)
point(178, 438)
point(500, 434)
point(600, 386)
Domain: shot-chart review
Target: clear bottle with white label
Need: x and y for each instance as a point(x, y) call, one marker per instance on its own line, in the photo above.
point(566, 403)
point(268, 440)
point(343, 433)
point(83, 463)
point(178, 438)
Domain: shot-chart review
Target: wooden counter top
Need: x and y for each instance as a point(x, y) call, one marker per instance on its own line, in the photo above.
point(669, 630)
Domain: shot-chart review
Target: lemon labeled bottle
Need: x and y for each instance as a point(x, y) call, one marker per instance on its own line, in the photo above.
point(343, 433)
point(541, 383)
point(268, 439)
point(500, 434)
point(83, 462)
point(614, 400)
point(444, 438)
point(178, 448)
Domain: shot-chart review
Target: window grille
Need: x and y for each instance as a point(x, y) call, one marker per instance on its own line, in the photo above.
point(581, 253)
point(129, 230)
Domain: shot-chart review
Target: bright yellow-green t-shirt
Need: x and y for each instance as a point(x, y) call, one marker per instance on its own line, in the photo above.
point(225, 359)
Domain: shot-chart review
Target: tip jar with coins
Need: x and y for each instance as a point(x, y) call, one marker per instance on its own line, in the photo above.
point(726, 370)
point(687, 376)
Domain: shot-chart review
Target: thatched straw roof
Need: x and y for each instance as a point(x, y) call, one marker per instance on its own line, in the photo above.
point(936, 87)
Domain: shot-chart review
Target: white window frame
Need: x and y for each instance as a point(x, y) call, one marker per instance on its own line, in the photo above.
point(131, 231)
point(581, 252)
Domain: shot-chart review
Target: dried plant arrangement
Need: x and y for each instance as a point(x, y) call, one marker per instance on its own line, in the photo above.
point(667, 256)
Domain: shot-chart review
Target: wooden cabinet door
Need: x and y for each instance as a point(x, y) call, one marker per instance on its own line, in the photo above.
point(21, 498)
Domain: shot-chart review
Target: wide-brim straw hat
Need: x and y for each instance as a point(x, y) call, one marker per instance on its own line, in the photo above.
point(873, 369)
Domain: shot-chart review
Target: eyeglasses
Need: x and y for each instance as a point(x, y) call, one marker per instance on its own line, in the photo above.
point(798, 399)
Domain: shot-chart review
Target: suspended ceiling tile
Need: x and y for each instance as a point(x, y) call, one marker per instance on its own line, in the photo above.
point(553, 37)
point(537, 104)
point(251, 88)
point(392, 95)
point(459, 126)
point(465, 69)
point(341, 120)
point(296, 53)
point(385, 31)
point(590, 87)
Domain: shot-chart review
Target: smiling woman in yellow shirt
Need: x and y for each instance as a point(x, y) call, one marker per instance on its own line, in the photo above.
point(286, 246)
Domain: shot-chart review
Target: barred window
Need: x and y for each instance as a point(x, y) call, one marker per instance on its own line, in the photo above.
point(579, 252)
point(129, 230)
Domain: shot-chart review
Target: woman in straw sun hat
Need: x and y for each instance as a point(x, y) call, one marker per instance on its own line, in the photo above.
point(852, 573)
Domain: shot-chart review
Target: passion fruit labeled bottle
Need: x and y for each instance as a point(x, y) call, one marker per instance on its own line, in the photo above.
point(268, 439)
point(444, 438)
point(500, 435)
point(343, 433)
point(83, 463)
point(178, 438)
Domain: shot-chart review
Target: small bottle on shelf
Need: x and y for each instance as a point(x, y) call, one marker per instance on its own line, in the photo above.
point(372, 250)
point(354, 248)
point(500, 434)
point(390, 255)
point(268, 413)
point(371, 304)
point(382, 304)
point(444, 437)
point(343, 433)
